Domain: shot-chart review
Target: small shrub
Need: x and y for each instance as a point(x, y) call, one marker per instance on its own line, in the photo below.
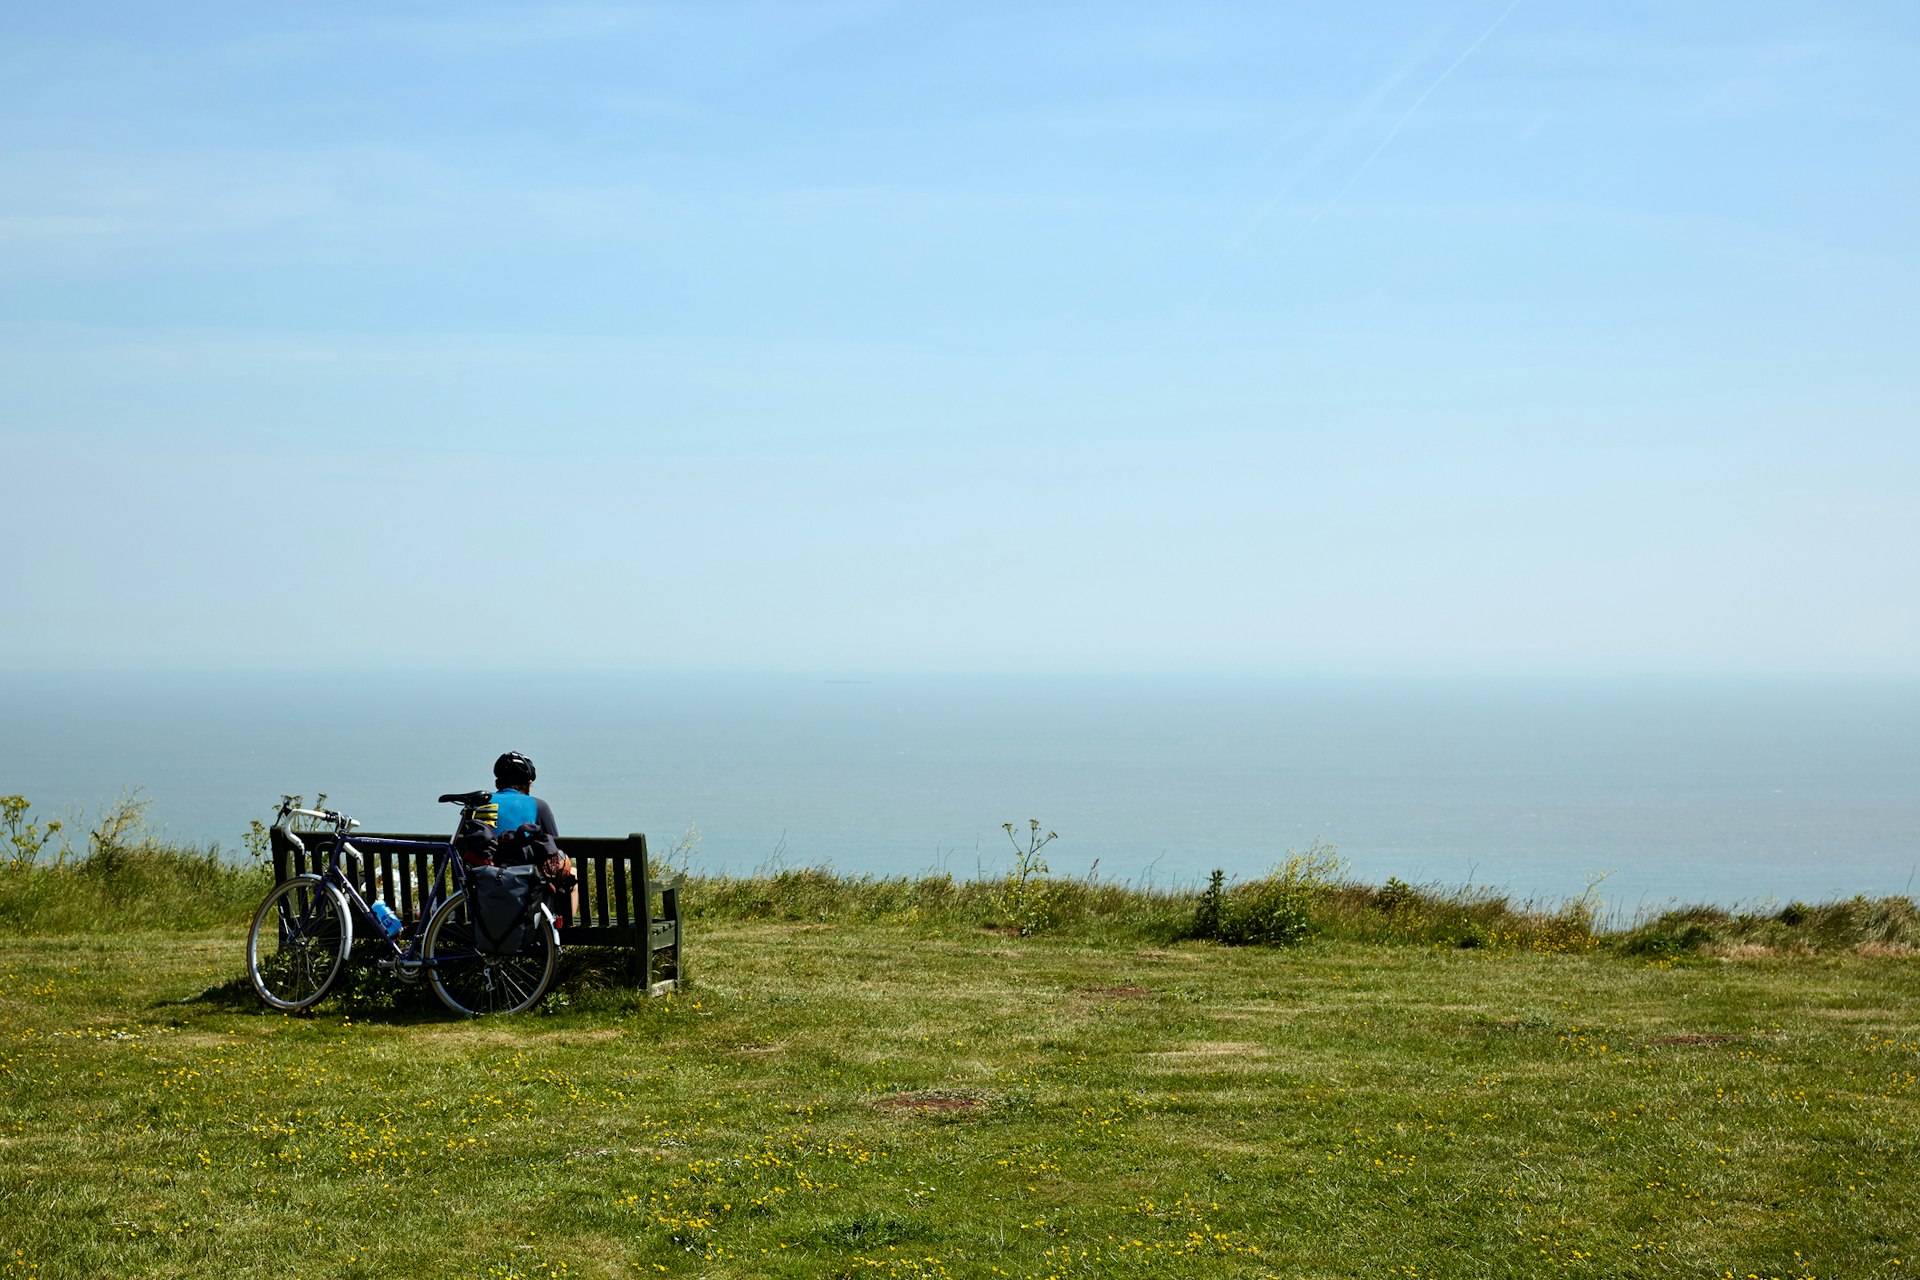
point(1267, 912)
point(1026, 899)
point(1680, 932)
point(678, 856)
point(1276, 910)
point(1395, 897)
point(1206, 916)
point(1679, 939)
point(122, 829)
point(25, 840)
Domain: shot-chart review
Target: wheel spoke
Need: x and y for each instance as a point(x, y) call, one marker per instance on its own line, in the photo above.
point(473, 983)
point(293, 966)
point(517, 983)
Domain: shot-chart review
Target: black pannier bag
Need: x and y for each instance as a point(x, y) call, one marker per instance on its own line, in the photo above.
point(476, 842)
point(525, 845)
point(529, 846)
point(502, 901)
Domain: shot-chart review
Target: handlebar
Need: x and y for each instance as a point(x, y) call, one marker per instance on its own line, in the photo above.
point(332, 817)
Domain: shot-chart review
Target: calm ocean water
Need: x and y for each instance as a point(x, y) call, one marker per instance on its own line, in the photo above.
point(1730, 792)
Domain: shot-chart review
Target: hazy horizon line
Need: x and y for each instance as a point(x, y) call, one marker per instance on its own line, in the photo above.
point(857, 675)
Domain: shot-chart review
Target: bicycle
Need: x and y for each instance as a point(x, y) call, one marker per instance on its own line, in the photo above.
point(297, 960)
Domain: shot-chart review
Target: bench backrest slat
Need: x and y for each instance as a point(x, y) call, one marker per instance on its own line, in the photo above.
point(583, 891)
point(622, 868)
point(396, 889)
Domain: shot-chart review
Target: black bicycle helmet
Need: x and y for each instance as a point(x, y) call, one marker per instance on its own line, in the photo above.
point(513, 769)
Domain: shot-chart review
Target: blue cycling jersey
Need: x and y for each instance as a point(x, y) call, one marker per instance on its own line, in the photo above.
point(515, 810)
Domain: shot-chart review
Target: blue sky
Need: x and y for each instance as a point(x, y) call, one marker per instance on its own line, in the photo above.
point(1406, 337)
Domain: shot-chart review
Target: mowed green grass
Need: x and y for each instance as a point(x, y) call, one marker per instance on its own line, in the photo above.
point(904, 1100)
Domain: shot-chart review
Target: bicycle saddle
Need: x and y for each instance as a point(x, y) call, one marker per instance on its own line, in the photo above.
point(467, 799)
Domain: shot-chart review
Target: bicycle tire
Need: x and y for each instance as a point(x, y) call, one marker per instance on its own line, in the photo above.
point(306, 952)
point(472, 984)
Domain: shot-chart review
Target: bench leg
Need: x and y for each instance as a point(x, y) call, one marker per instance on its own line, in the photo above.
point(670, 905)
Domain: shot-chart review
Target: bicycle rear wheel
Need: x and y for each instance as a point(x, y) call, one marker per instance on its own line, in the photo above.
point(472, 983)
point(298, 944)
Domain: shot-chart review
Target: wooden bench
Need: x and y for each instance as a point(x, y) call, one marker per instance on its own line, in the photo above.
point(612, 907)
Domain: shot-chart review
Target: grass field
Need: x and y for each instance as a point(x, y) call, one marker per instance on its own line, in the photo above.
point(903, 1093)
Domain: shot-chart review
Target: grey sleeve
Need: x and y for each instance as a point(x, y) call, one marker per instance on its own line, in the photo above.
point(543, 815)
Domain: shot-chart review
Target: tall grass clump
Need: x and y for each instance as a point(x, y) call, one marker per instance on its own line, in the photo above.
point(1278, 909)
point(1026, 901)
point(1307, 895)
point(1401, 914)
point(120, 877)
point(1852, 924)
point(1087, 908)
point(1468, 916)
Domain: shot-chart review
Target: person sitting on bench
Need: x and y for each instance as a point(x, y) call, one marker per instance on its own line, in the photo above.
point(512, 807)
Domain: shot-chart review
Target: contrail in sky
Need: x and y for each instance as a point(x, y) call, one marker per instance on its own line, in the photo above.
point(1329, 144)
point(1401, 124)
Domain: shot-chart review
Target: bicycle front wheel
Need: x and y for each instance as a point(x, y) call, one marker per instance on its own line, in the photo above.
point(298, 944)
point(472, 983)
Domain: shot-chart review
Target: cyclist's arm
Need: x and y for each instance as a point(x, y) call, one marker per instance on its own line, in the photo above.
point(543, 818)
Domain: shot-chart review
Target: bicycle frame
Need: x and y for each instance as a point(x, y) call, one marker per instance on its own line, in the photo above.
point(340, 846)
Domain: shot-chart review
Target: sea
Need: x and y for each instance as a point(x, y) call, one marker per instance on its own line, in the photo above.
point(1651, 792)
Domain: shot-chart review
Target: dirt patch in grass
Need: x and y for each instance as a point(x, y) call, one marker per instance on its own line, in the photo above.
point(935, 1100)
point(1126, 991)
point(1213, 1059)
point(1215, 1049)
point(1270, 1012)
point(1697, 1038)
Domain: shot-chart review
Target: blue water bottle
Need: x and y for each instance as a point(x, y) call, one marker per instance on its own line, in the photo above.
point(388, 921)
